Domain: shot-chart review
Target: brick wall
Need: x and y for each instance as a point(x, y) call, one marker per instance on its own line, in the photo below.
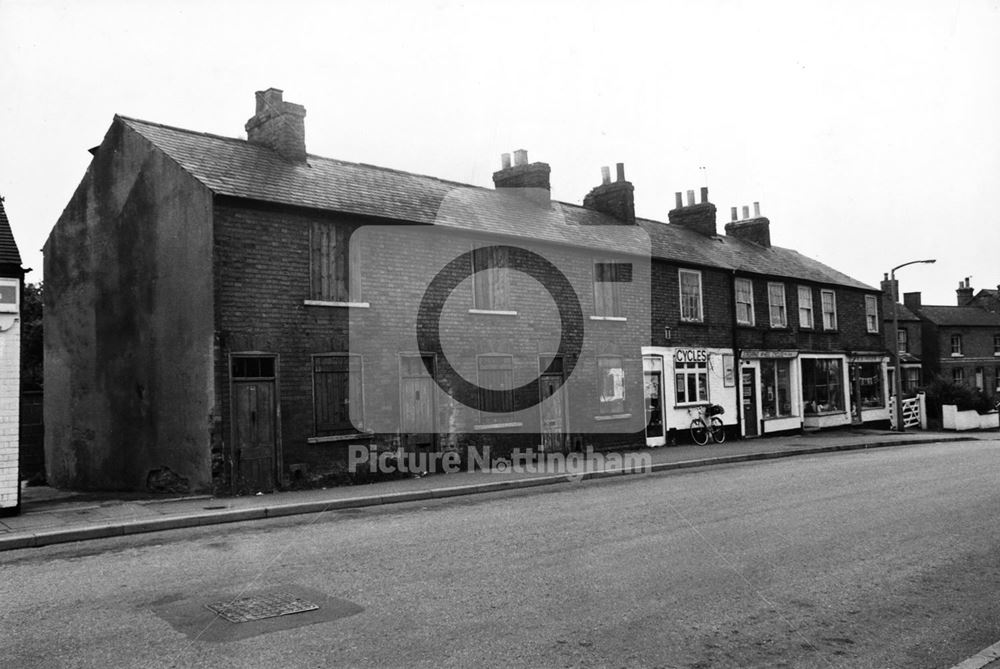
point(262, 258)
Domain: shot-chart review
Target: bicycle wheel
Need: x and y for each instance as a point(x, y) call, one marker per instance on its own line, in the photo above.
point(699, 432)
point(718, 430)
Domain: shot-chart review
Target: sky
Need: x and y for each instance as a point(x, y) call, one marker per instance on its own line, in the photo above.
point(867, 131)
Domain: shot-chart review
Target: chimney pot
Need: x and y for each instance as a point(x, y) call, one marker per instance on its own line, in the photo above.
point(620, 169)
point(605, 175)
point(885, 276)
point(504, 161)
point(690, 198)
point(521, 157)
point(704, 194)
point(756, 209)
point(746, 212)
point(736, 216)
point(679, 200)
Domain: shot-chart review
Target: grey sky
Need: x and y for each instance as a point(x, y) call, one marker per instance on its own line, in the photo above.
point(867, 131)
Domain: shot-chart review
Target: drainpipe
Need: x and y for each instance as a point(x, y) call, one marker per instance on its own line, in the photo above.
point(737, 374)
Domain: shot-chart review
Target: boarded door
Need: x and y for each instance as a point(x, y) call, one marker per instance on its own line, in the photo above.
point(417, 401)
point(553, 410)
point(254, 422)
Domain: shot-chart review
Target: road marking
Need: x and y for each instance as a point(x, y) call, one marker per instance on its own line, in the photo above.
point(981, 659)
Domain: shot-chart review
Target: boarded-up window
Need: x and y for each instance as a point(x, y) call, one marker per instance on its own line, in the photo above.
point(608, 277)
point(334, 266)
point(337, 393)
point(490, 280)
point(611, 388)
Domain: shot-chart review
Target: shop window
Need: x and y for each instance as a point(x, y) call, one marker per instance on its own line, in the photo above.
point(870, 382)
point(335, 275)
point(337, 393)
point(956, 344)
point(829, 302)
point(611, 380)
point(490, 282)
point(871, 313)
point(805, 307)
point(958, 375)
point(496, 392)
point(775, 380)
point(691, 382)
point(608, 277)
point(690, 282)
point(744, 301)
point(822, 385)
point(903, 340)
point(776, 305)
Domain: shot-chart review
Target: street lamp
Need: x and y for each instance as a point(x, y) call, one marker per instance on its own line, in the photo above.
point(897, 385)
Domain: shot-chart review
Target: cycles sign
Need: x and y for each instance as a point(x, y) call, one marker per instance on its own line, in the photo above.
point(691, 355)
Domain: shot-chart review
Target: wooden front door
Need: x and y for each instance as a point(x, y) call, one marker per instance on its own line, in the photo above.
point(653, 395)
point(749, 396)
point(255, 423)
point(553, 411)
point(416, 409)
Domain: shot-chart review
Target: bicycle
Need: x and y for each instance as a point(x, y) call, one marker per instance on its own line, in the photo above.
point(707, 424)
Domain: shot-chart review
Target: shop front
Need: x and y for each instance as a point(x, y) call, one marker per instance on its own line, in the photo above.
point(825, 390)
point(769, 391)
point(869, 388)
point(678, 381)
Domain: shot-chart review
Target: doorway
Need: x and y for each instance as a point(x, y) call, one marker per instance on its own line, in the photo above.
point(255, 421)
point(416, 403)
point(652, 377)
point(748, 383)
point(552, 408)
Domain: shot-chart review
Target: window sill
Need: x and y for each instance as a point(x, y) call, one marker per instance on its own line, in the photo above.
point(326, 303)
point(620, 319)
point(778, 327)
point(958, 355)
point(825, 413)
point(339, 437)
point(613, 416)
point(693, 321)
point(496, 426)
point(493, 312)
point(770, 418)
point(745, 325)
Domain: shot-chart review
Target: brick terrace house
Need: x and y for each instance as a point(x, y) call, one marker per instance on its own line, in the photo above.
point(11, 293)
point(986, 298)
point(236, 314)
point(960, 343)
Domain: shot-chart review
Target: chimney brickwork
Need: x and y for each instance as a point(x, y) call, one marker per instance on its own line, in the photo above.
point(756, 229)
point(964, 293)
point(278, 125)
point(614, 198)
point(912, 301)
point(531, 176)
point(699, 217)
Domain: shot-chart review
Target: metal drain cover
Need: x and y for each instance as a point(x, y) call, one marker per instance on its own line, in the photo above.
point(259, 607)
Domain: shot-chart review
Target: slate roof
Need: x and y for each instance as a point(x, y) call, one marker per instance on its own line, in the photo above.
point(960, 316)
point(234, 167)
point(902, 313)
point(8, 247)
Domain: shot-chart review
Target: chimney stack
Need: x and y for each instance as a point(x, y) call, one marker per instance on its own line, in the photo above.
point(531, 178)
point(614, 198)
point(756, 230)
point(699, 217)
point(912, 301)
point(890, 288)
point(279, 126)
point(964, 292)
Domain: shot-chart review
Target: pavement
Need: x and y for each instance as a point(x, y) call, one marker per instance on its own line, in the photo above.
point(49, 516)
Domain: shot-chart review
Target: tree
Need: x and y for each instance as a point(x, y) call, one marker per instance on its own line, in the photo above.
point(31, 337)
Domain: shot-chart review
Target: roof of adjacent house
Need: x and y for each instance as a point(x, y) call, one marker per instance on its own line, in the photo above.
point(8, 247)
point(903, 313)
point(959, 316)
point(235, 167)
